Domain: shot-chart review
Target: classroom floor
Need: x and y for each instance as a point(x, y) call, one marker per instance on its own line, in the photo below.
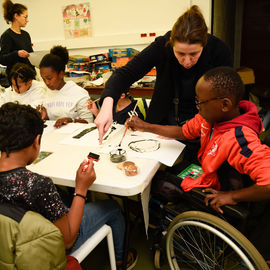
point(99, 258)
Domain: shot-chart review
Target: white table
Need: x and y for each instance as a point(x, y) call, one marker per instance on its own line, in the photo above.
point(62, 164)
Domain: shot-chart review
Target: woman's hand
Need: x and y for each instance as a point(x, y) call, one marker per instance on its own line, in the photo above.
point(62, 121)
point(23, 54)
point(104, 118)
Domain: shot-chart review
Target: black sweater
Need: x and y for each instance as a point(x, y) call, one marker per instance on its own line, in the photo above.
point(10, 44)
point(171, 77)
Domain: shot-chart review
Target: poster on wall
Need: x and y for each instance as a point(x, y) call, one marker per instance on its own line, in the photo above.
point(77, 20)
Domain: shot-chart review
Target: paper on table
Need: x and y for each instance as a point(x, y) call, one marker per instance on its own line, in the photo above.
point(49, 126)
point(67, 129)
point(35, 57)
point(167, 153)
point(70, 128)
point(91, 138)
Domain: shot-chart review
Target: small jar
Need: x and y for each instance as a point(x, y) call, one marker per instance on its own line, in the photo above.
point(118, 155)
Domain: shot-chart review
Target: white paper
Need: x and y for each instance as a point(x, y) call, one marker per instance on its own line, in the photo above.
point(36, 57)
point(49, 126)
point(91, 138)
point(70, 128)
point(167, 154)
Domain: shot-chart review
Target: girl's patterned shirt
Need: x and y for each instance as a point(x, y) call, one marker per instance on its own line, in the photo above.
point(32, 192)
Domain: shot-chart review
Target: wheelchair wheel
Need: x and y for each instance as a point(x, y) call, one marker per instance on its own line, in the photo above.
point(198, 240)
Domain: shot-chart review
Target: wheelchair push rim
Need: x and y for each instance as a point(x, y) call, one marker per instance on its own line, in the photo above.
point(198, 240)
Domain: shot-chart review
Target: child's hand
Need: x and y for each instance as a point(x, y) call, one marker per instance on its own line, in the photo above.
point(218, 198)
point(62, 121)
point(135, 123)
point(43, 112)
point(85, 177)
point(92, 107)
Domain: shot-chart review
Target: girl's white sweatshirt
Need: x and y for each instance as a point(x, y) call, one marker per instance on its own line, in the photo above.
point(33, 96)
point(70, 101)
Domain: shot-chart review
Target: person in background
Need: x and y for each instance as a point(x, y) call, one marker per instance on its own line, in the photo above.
point(123, 108)
point(24, 88)
point(181, 57)
point(21, 129)
point(15, 43)
point(65, 102)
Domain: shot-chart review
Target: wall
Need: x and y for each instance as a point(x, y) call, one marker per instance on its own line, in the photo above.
point(115, 23)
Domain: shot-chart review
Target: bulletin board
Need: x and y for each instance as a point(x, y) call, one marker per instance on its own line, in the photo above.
point(112, 22)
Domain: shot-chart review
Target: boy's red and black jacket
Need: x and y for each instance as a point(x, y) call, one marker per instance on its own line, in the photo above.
point(235, 141)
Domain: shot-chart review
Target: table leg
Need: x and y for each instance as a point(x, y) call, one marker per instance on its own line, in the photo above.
point(127, 232)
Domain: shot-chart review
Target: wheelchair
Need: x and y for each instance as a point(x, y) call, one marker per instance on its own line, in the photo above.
point(201, 238)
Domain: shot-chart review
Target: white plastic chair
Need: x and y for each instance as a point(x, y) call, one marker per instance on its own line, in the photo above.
point(83, 251)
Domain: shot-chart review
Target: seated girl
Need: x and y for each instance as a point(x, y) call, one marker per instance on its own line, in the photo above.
point(24, 88)
point(66, 102)
point(123, 108)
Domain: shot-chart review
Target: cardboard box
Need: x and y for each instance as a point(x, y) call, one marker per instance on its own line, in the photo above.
point(98, 57)
point(78, 58)
point(247, 75)
point(127, 52)
point(120, 61)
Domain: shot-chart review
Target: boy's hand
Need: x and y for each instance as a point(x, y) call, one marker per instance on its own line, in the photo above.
point(62, 121)
point(135, 123)
point(218, 198)
point(85, 177)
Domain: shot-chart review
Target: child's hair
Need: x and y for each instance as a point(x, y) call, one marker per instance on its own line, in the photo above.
point(22, 71)
point(190, 28)
point(226, 82)
point(19, 126)
point(56, 59)
point(11, 9)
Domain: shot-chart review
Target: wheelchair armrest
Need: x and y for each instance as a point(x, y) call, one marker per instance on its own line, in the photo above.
point(233, 211)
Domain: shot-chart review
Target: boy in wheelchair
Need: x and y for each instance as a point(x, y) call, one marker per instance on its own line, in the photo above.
point(228, 128)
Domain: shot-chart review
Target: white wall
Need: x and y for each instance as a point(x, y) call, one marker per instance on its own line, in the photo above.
point(115, 23)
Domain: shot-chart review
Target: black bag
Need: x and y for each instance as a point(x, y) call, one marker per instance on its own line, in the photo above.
point(166, 187)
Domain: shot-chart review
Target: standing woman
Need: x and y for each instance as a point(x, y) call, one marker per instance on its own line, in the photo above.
point(181, 57)
point(15, 43)
point(65, 102)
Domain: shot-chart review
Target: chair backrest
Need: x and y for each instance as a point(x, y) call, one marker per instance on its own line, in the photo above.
point(29, 241)
point(142, 105)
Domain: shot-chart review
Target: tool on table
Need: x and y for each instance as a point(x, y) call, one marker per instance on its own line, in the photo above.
point(94, 101)
point(91, 156)
point(132, 113)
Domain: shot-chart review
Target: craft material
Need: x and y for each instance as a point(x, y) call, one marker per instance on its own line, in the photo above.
point(128, 167)
point(91, 156)
point(118, 155)
point(133, 113)
point(85, 131)
point(85, 106)
point(142, 146)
